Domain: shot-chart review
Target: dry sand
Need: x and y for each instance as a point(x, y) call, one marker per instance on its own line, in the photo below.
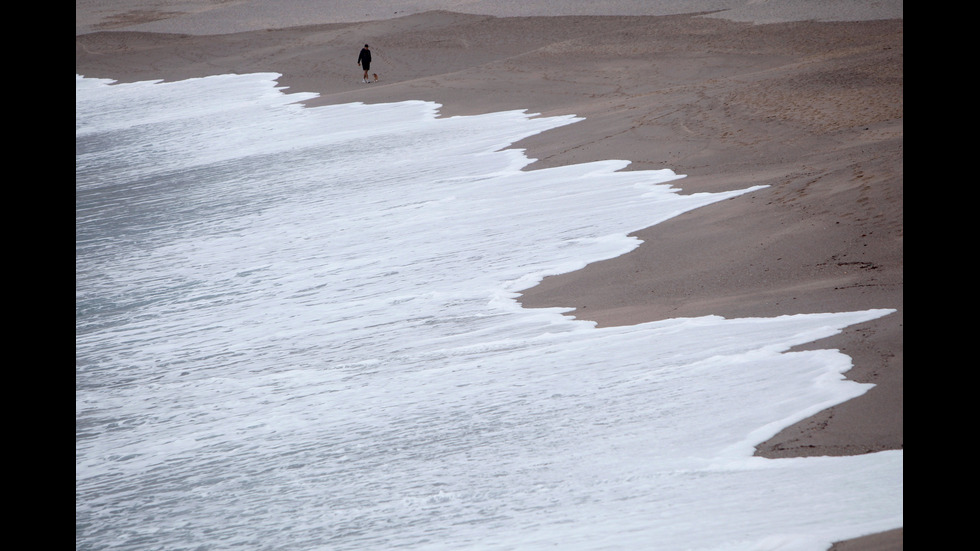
point(807, 101)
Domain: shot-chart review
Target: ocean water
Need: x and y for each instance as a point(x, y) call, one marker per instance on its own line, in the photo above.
point(296, 330)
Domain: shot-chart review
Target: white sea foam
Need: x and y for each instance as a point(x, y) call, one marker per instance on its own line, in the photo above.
point(296, 329)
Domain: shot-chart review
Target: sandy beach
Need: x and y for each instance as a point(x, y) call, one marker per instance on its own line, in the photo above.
point(805, 100)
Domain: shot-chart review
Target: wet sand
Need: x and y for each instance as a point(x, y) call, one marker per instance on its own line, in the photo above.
point(812, 109)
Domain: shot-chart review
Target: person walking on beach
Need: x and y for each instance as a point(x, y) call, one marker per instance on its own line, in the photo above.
point(364, 60)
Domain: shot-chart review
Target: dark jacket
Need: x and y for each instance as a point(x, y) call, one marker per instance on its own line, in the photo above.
point(364, 58)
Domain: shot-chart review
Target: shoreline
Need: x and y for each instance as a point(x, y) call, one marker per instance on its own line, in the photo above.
point(811, 109)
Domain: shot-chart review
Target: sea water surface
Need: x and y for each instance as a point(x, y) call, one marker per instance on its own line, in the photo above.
point(296, 330)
